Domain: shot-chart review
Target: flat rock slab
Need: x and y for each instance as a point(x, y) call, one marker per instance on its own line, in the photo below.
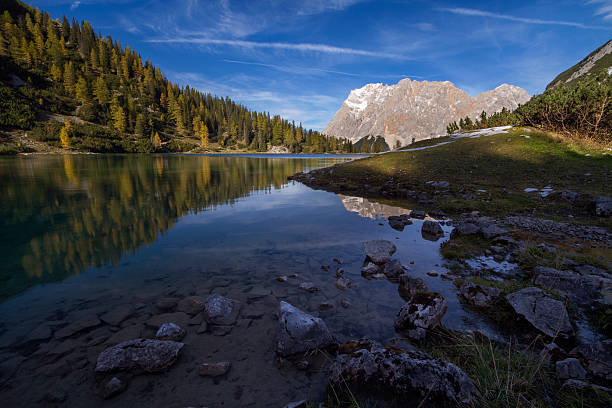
point(117, 315)
point(410, 376)
point(546, 314)
point(379, 251)
point(148, 355)
point(84, 323)
point(191, 305)
point(299, 332)
point(571, 285)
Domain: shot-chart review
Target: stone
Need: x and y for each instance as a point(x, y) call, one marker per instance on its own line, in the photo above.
point(412, 377)
point(602, 206)
point(432, 228)
point(439, 184)
point(399, 222)
point(113, 387)
point(203, 328)
point(281, 278)
point(433, 274)
point(569, 368)
point(148, 355)
point(220, 330)
point(549, 248)
point(196, 320)
point(170, 331)
point(81, 324)
point(573, 286)
point(345, 303)
point(372, 271)
point(491, 231)
point(465, 228)
point(424, 310)
point(417, 334)
point(326, 306)
point(220, 310)
point(214, 369)
point(342, 283)
point(180, 318)
point(299, 332)
point(166, 303)
point(191, 305)
point(479, 295)
point(125, 334)
point(308, 287)
point(393, 269)
point(418, 214)
point(117, 315)
point(596, 358)
point(409, 286)
point(379, 251)
point(339, 273)
point(297, 404)
point(585, 386)
point(546, 314)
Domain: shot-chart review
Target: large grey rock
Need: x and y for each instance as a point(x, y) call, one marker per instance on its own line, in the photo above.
point(147, 355)
point(432, 228)
point(597, 358)
point(491, 231)
point(220, 310)
point(543, 312)
point(415, 110)
point(398, 222)
point(379, 251)
point(409, 286)
point(573, 286)
point(602, 206)
point(465, 228)
point(479, 295)
point(569, 368)
point(393, 269)
point(409, 376)
point(299, 332)
point(423, 310)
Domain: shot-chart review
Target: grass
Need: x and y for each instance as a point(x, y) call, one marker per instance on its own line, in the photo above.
point(532, 256)
point(464, 247)
point(503, 165)
point(427, 142)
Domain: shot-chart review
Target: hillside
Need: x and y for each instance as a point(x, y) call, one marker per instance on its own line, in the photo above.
point(593, 64)
point(53, 71)
point(414, 110)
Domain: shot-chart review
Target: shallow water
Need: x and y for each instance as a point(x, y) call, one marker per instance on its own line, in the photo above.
point(85, 235)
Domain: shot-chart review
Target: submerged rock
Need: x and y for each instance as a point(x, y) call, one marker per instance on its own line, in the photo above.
point(220, 310)
point(418, 214)
point(423, 310)
point(84, 323)
point(409, 376)
point(393, 269)
point(148, 355)
point(399, 222)
point(191, 305)
point(409, 286)
point(379, 251)
point(170, 331)
point(432, 228)
point(299, 332)
point(113, 387)
point(308, 287)
point(214, 369)
point(372, 271)
point(342, 283)
point(543, 312)
point(479, 295)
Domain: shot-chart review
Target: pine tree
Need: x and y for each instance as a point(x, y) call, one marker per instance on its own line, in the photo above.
point(69, 78)
point(118, 116)
point(101, 91)
point(82, 91)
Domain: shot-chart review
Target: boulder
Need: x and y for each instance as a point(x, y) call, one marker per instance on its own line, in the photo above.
point(543, 312)
point(602, 206)
point(418, 214)
point(573, 286)
point(432, 228)
point(368, 368)
point(148, 355)
point(491, 231)
point(372, 271)
point(479, 295)
point(299, 332)
point(465, 228)
point(379, 251)
point(409, 286)
point(569, 368)
point(596, 358)
point(220, 310)
point(170, 331)
point(393, 269)
point(423, 310)
point(214, 369)
point(398, 222)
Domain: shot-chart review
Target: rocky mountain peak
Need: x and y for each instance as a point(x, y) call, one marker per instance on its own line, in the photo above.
point(414, 110)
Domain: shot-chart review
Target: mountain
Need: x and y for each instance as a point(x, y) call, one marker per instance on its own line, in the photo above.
point(414, 110)
point(592, 64)
point(74, 89)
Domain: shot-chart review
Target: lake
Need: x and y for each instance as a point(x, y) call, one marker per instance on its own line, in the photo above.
point(89, 236)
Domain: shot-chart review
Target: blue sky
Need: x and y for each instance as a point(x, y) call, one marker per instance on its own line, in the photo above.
point(300, 59)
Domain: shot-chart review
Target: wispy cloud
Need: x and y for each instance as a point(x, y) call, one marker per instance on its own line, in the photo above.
point(604, 8)
point(483, 13)
point(303, 47)
point(74, 5)
point(311, 7)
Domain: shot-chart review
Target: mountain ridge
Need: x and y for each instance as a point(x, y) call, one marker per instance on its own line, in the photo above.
point(414, 110)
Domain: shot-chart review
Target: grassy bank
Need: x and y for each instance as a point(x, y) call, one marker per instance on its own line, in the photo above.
point(489, 173)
